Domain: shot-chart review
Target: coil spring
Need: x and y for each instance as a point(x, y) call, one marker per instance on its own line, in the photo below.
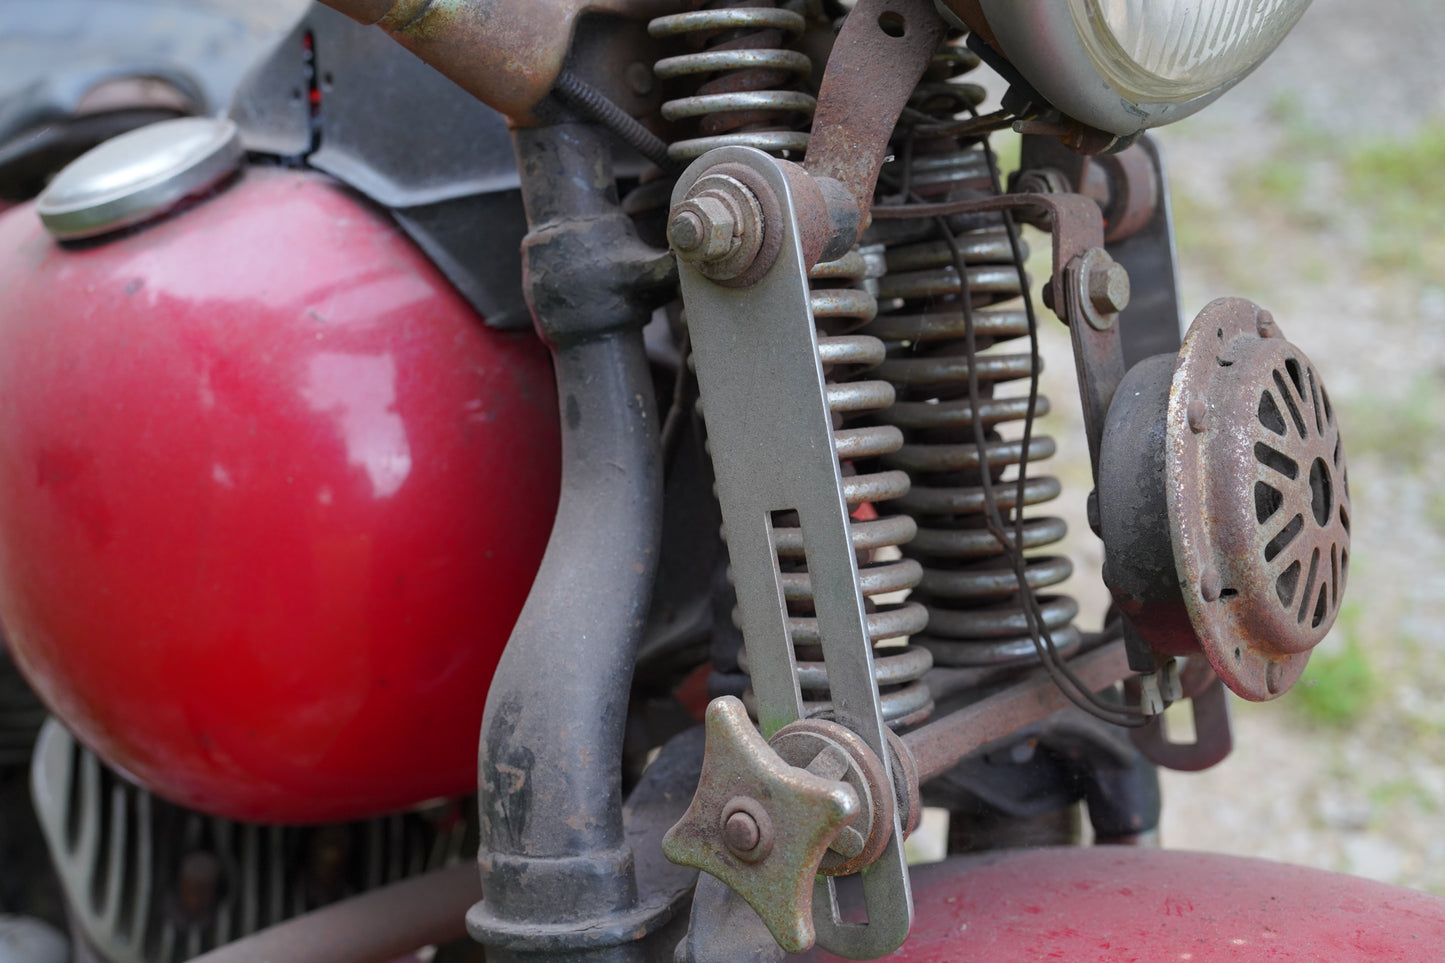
point(840, 308)
point(976, 617)
point(746, 99)
point(736, 108)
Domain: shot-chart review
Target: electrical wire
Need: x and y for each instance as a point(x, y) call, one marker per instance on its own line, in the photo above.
point(1064, 677)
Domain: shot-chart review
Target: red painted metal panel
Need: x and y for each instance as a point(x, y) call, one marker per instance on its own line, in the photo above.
point(1123, 905)
point(271, 497)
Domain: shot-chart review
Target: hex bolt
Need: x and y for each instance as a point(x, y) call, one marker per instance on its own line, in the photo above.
point(686, 232)
point(703, 228)
point(1108, 285)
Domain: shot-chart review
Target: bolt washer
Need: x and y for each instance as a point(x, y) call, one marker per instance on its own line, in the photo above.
point(1258, 498)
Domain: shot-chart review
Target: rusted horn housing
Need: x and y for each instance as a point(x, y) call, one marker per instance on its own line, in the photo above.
point(1224, 501)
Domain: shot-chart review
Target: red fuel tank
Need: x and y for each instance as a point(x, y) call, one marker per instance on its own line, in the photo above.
point(271, 497)
point(1117, 904)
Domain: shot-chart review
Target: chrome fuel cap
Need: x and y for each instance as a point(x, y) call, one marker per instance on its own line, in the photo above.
point(139, 175)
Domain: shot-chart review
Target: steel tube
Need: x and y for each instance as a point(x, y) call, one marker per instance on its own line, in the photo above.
point(557, 869)
point(938, 746)
point(375, 927)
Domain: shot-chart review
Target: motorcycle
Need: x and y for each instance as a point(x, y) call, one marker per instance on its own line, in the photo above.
point(416, 394)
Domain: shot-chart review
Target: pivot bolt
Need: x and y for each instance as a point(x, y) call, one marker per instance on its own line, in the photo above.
point(703, 228)
point(1108, 287)
point(718, 227)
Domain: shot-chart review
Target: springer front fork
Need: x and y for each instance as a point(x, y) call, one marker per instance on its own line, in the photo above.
point(828, 784)
point(829, 790)
point(835, 793)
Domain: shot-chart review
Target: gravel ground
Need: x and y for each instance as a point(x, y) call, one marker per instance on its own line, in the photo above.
point(1272, 203)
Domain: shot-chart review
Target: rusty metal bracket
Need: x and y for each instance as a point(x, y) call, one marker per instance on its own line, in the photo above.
point(1132, 189)
point(876, 62)
point(506, 53)
point(1213, 737)
point(939, 745)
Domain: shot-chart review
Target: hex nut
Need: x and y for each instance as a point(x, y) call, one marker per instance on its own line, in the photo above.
point(703, 228)
point(718, 227)
point(1109, 287)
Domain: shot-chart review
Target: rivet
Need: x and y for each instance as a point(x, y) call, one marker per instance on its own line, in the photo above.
point(1274, 677)
point(747, 831)
point(1209, 585)
point(741, 833)
point(1195, 414)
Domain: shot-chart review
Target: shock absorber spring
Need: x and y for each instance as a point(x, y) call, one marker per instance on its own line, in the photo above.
point(840, 308)
point(745, 100)
point(976, 615)
point(750, 94)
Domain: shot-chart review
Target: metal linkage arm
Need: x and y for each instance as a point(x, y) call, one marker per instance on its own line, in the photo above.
point(773, 450)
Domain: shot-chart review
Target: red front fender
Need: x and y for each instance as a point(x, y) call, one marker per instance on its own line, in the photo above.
point(1122, 905)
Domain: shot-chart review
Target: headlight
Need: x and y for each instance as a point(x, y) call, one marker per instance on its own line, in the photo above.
point(1126, 65)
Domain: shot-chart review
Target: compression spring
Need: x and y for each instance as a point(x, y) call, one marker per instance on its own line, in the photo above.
point(840, 308)
point(976, 615)
point(746, 99)
point(743, 59)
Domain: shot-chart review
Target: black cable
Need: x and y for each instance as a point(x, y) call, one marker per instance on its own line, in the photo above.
point(596, 107)
point(1064, 677)
point(1042, 639)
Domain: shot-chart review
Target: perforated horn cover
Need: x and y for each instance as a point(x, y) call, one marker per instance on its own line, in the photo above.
point(1258, 495)
point(1228, 463)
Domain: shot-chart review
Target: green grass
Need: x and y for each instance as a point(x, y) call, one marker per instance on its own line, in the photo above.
point(1387, 192)
point(1338, 687)
point(1402, 792)
point(1401, 429)
point(1398, 182)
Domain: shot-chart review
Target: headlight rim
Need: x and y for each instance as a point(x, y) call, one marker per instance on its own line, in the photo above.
point(1046, 46)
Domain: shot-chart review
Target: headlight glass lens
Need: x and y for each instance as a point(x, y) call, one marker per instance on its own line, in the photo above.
point(1167, 51)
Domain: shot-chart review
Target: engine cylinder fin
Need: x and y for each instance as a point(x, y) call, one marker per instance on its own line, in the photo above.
point(147, 881)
